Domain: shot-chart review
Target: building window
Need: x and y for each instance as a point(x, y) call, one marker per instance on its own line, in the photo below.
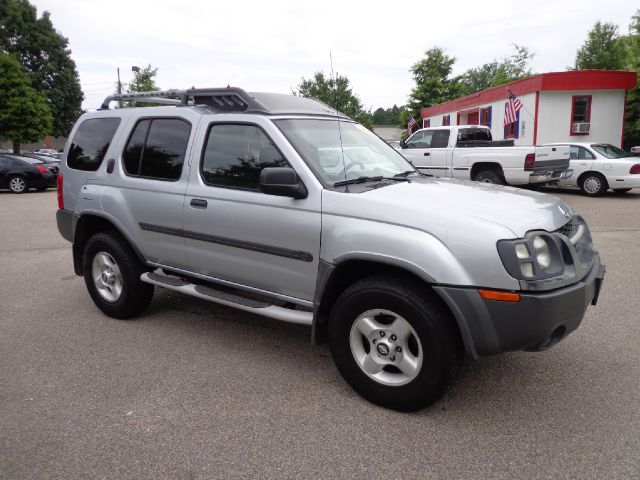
point(426, 122)
point(446, 120)
point(485, 117)
point(511, 130)
point(580, 115)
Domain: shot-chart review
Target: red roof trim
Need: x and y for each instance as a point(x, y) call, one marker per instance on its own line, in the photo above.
point(573, 80)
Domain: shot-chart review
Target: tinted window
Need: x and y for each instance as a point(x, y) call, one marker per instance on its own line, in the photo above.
point(133, 152)
point(234, 156)
point(91, 142)
point(156, 148)
point(440, 139)
point(3, 162)
point(467, 134)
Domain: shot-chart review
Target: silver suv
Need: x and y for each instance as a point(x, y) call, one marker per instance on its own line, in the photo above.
point(280, 206)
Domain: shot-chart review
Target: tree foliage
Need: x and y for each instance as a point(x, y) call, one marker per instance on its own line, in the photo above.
point(144, 80)
point(24, 113)
point(389, 116)
point(45, 55)
point(498, 72)
point(631, 44)
point(602, 50)
point(335, 92)
point(433, 81)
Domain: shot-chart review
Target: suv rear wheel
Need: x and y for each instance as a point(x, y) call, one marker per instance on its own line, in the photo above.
point(393, 344)
point(112, 275)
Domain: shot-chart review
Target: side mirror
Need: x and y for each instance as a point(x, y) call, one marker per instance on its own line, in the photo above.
point(403, 144)
point(282, 181)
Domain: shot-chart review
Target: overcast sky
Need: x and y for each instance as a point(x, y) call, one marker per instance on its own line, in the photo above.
point(270, 45)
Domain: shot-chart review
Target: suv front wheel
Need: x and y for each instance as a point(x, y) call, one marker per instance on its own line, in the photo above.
point(112, 275)
point(394, 343)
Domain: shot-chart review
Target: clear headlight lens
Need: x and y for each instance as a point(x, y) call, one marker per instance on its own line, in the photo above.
point(527, 269)
point(535, 257)
point(522, 251)
point(542, 253)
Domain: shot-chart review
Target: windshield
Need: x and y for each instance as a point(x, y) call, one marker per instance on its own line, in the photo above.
point(610, 151)
point(342, 152)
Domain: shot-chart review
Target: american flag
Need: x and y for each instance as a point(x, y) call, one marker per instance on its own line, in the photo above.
point(412, 123)
point(511, 109)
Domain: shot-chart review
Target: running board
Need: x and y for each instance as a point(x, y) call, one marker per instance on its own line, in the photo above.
point(229, 299)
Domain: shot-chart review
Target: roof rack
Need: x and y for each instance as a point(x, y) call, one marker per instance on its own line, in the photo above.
point(229, 99)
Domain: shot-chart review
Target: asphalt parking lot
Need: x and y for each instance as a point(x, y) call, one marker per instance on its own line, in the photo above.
point(192, 390)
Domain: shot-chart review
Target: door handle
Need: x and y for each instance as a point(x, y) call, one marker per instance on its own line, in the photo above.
point(426, 154)
point(111, 163)
point(198, 203)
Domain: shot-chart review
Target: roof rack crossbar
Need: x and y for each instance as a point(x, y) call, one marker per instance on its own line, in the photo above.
point(229, 99)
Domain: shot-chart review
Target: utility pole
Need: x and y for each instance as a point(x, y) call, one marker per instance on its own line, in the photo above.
point(119, 83)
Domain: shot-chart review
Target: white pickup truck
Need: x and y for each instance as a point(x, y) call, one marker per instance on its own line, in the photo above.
point(468, 152)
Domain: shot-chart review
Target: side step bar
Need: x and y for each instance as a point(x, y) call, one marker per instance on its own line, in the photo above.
point(229, 299)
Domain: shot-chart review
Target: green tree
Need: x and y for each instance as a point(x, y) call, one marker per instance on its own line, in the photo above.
point(337, 93)
point(144, 80)
point(44, 53)
point(433, 82)
point(389, 116)
point(24, 113)
point(495, 73)
point(602, 50)
point(631, 45)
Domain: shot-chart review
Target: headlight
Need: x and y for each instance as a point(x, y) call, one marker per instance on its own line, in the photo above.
point(535, 257)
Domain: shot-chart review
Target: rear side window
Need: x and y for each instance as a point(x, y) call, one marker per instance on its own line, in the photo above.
point(235, 155)
point(468, 134)
point(156, 148)
point(440, 139)
point(91, 142)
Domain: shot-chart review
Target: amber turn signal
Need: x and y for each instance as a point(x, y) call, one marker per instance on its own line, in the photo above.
point(499, 296)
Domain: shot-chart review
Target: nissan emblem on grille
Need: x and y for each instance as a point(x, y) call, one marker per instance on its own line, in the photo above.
point(564, 212)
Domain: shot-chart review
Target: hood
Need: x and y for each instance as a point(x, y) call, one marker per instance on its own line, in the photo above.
point(427, 203)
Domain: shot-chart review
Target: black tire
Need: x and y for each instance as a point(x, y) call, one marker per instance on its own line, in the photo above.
point(436, 332)
point(18, 184)
point(135, 295)
point(490, 176)
point(593, 184)
point(620, 191)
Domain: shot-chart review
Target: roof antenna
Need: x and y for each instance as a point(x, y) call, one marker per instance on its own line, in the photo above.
point(335, 101)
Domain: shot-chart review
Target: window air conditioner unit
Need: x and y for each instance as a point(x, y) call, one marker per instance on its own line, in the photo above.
point(580, 127)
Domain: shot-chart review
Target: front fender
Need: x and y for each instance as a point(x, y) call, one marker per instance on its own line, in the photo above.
point(348, 238)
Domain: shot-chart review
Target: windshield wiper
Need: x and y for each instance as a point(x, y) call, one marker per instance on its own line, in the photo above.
point(369, 179)
point(409, 172)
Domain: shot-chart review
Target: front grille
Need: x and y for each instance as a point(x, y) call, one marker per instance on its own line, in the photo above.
point(569, 229)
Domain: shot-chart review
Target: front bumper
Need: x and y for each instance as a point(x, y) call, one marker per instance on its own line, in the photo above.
point(537, 322)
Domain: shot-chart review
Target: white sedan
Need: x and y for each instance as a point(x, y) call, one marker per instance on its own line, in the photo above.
point(601, 166)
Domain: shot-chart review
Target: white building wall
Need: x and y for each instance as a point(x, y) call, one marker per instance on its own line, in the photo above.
point(554, 116)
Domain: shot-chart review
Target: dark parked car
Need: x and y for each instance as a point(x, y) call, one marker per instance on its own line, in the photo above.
point(19, 173)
